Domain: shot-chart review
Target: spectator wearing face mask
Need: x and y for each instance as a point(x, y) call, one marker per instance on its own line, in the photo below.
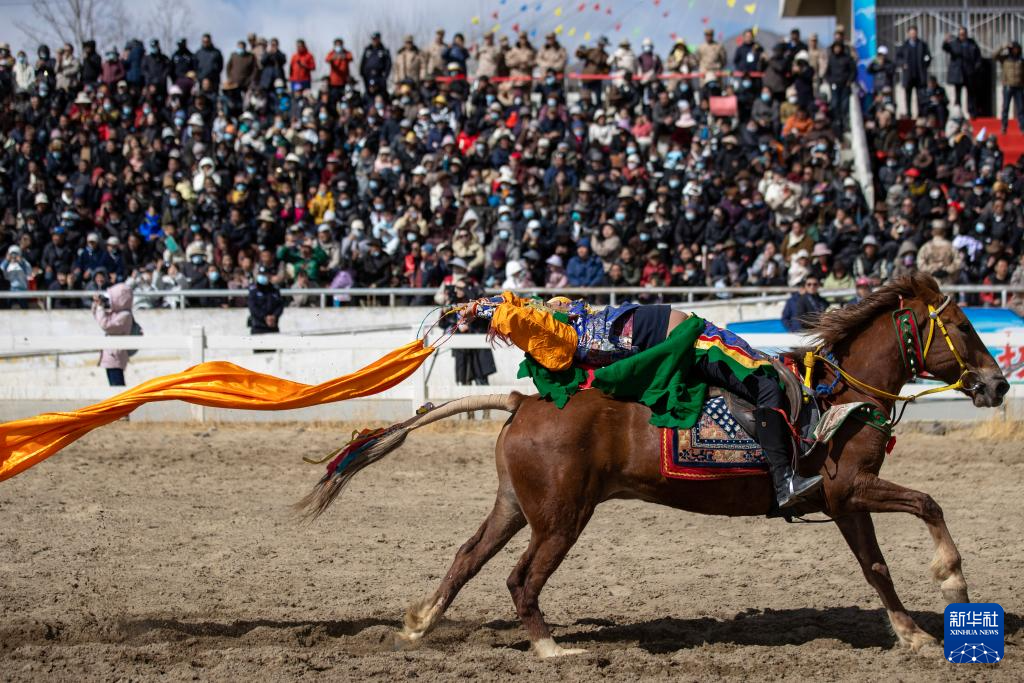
point(803, 304)
point(265, 303)
point(585, 269)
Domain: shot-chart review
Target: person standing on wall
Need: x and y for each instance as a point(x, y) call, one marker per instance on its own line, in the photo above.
point(914, 57)
point(1011, 70)
point(113, 311)
point(840, 75)
point(964, 65)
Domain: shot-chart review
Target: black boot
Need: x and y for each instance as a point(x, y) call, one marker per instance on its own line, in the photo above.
point(774, 436)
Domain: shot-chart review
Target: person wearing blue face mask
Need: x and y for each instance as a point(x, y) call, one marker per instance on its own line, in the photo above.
point(265, 302)
point(156, 69)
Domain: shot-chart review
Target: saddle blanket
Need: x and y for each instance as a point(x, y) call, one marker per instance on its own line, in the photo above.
point(715, 448)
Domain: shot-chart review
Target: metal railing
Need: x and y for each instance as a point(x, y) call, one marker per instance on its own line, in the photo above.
point(196, 345)
point(395, 296)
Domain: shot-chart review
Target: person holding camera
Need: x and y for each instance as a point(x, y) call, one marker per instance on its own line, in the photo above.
point(472, 366)
point(17, 271)
point(113, 311)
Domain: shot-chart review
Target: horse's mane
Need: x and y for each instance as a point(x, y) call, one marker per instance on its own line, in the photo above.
point(833, 327)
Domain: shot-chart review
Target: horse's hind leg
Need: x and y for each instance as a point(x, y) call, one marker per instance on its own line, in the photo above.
point(548, 547)
point(504, 521)
point(873, 494)
point(859, 533)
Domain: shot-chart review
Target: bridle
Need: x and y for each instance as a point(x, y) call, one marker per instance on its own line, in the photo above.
point(914, 356)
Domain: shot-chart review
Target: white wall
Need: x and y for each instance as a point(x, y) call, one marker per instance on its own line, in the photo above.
point(71, 380)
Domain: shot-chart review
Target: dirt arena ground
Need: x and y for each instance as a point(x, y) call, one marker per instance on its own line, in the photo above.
point(171, 551)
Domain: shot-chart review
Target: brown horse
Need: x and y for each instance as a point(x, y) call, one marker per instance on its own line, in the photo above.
point(555, 466)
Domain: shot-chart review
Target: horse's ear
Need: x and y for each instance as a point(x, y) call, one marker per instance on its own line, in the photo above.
point(925, 287)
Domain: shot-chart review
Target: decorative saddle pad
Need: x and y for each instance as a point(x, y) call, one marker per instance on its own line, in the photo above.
point(715, 448)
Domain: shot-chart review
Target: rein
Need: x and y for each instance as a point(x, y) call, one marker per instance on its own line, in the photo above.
point(911, 351)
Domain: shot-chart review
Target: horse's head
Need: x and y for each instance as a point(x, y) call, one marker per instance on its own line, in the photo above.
point(956, 351)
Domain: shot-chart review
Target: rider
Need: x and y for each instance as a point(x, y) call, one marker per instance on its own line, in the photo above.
point(562, 334)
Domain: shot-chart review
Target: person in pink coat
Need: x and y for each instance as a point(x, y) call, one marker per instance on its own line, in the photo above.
point(113, 311)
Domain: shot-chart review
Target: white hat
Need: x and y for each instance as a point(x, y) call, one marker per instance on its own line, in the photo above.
point(419, 170)
point(42, 199)
point(175, 89)
point(292, 156)
point(323, 228)
point(533, 224)
point(554, 260)
point(13, 249)
point(206, 161)
point(92, 237)
point(513, 268)
point(358, 226)
point(113, 241)
point(883, 50)
point(458, 263)
point(195, 120)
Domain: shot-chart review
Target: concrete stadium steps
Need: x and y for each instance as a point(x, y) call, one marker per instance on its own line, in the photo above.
point(1012, 142)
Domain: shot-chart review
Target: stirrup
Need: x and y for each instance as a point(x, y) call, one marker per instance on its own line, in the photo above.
point(798, 488)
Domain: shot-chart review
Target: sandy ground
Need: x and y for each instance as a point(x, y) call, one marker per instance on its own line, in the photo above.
point(171, 551)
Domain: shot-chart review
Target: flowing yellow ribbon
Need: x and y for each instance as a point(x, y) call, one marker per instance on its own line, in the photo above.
point(23, 443)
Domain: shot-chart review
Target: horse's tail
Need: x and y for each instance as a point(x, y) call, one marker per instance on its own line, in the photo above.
point(369, 446)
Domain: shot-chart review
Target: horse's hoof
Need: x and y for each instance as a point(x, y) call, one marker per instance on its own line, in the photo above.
point(922, 643)
point(954, 590)
point(406, 641)
point(549, 649)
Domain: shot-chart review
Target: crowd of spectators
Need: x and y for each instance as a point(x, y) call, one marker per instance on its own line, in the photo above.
point(484, 164)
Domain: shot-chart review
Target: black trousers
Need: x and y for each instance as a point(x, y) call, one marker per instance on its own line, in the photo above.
point(760, 390)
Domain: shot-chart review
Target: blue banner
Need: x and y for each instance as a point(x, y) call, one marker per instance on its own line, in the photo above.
point(865, 39)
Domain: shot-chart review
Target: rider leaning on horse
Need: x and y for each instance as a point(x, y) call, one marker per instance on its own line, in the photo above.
point(562, 334)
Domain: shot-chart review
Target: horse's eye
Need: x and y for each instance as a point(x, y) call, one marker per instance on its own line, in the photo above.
point(964, 327)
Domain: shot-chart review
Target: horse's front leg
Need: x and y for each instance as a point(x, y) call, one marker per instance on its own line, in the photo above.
point(859, 533)
point(872, 494)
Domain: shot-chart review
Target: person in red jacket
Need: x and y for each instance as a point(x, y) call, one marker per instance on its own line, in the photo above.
point(339, 60)
point(301, 72)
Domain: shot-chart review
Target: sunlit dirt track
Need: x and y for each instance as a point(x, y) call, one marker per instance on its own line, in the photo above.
point(172, 551)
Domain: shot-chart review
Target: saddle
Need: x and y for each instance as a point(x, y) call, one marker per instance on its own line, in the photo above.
point(803, 414)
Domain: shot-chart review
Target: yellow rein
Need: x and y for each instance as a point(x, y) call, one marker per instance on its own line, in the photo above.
point(933, 314)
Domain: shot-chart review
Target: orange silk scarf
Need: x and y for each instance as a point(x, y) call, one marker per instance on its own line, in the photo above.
point(23, 443)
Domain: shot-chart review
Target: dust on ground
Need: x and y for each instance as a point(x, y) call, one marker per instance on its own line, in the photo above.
point(171, 550)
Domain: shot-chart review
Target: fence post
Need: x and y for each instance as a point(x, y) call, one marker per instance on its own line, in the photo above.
point(419, 388)
point(197, 354)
